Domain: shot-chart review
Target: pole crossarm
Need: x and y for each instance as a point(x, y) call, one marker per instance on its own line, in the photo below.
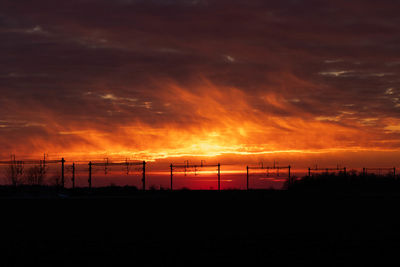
point(29, 161)
point(327, 169)
point(268, 168)
point(102, 164)
point(195, 166)
point(182, 166)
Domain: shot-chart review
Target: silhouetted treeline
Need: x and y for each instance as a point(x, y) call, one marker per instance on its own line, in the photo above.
point(345, 182)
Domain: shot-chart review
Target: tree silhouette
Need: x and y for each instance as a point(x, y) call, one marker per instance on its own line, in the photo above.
point(14, 172)
point(35, 175)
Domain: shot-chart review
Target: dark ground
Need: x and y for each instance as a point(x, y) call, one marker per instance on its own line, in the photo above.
point(201, 228)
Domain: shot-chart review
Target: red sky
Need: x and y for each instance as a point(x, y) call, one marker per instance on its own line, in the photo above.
point(301, 82)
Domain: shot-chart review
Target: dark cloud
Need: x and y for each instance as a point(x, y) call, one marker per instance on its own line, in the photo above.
point(68, 67)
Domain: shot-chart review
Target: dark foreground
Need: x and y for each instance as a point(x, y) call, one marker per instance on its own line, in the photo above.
point(189, 228)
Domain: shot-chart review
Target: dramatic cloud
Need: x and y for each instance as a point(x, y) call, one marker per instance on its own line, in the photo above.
point(154, 79)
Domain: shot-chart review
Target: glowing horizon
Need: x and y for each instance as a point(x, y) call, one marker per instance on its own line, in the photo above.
point(274, 82)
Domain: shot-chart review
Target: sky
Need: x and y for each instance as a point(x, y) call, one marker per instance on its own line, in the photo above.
point(231, 81)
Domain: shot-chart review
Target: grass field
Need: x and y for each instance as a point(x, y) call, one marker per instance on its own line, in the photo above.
point(184, 228)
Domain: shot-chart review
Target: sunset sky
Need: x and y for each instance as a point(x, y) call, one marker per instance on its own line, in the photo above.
point(235, 81)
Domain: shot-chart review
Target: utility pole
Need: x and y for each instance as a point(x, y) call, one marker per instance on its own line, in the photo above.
point(73, 175)
point(171, 175)
point(247, 178)
point(105, 165)
point(62, 172)
point(90, 175)
point(219, 176)
point(144, 176)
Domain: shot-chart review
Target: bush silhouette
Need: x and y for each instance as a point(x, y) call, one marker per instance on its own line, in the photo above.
point(351, 181)
point(14, 173)
point(35, 175)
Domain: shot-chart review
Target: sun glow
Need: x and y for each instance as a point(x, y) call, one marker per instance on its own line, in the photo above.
point(217, 120)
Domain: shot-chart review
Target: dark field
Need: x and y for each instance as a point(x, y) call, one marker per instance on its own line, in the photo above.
point(185, 228)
